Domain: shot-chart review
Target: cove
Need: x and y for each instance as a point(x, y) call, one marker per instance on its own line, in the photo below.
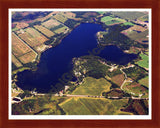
point(56, 61)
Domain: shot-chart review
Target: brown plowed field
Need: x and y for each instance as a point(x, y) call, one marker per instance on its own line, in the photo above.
point(118, 79)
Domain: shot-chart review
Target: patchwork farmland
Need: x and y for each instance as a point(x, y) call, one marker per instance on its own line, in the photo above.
point(28, 57)
point(32, 37)
point(29, 41)
point(18, 46)
point(51, 23)
point(91, 106)
point(44, 30)
point(101, 87)
point(21, 51)
point(60, 18)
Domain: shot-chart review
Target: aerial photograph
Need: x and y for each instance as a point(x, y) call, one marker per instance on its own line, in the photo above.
point(79, 62)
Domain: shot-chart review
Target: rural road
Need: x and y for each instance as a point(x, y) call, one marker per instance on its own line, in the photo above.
point(80, 96)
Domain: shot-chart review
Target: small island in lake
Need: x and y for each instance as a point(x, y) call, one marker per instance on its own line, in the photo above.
point(80, 62)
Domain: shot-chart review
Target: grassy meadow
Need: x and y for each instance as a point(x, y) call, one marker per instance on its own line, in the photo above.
point(92, 86)
point(144, 62)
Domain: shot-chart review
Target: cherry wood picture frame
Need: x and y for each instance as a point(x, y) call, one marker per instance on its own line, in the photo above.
point(4, 9)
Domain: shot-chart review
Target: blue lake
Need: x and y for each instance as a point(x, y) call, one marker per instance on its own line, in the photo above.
point(56, 61)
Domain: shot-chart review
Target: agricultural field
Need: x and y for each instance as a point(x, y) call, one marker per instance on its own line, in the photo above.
point(144, 62)
point(111, 21)
point(51, 23)
point(70, 15)
point(128, 15)
point(137, 107)
point(28, 57)
point(101, 12)
point(112, 84)
point(18, 46)
point(60, 17)
point(20, 25)
point(134, 29)
point(135, 89)
point(44, 30)
point(92, 86)
point(116, 93)
point(144, 81)
point(144, 18)
point(141, 37)
point(90, 106)
point(89, 14)
point(128, 23)
point(118, 79)
point(16, 62)
point(137, 33)
point(106, 18)
point(32, 37)
point(46, 17)
point(61, 30)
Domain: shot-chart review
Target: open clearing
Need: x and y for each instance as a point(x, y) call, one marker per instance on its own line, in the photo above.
point(91, 106)
point(92, 86)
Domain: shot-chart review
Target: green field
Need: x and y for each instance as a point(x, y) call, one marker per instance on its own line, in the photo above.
point(110, 20)
point(92, 86)
point(106, 18)
point(128, 23)
point(61, 30)
point(144, 81)
point(101, 12)
point(91, 106)
point(144, 62)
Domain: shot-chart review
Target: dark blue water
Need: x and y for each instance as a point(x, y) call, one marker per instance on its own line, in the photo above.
point(56, 61)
